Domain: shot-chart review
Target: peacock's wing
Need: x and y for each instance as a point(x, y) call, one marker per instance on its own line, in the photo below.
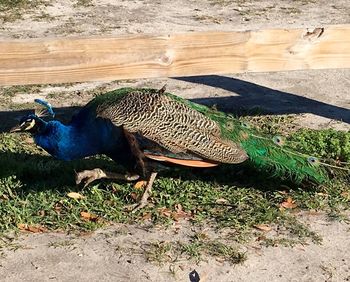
point(156, 152)
point(172, 124)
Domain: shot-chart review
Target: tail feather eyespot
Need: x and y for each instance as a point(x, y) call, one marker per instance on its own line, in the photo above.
point(278, 140)
point(313, 160)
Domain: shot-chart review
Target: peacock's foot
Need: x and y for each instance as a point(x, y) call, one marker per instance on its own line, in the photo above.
point(144, 199)
point(88, 176)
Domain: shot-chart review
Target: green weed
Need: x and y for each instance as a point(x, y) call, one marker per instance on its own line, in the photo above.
point(34, 187)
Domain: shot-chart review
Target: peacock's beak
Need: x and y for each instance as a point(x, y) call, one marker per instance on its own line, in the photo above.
point(16, 128)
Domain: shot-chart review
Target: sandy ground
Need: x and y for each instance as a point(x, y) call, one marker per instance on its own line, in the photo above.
point(114, 254)
point(320, 97)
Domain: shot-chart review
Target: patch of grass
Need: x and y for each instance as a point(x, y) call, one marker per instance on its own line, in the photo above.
point(12, 10)
point(204, 247)
point(206, 18)
point(158, 252)
point(7, 93)
point(67, 244)
point(83, 3)
point(306, 2)
point(291, 10)
point(53, 95)
point(8, 243)
point(45, 17)
point(328, 143)
point(11, 91)
point(34, 187)
point(11, 246)
point(22, 106)
point(226, 2)
point(270, 124)
point(225, 252)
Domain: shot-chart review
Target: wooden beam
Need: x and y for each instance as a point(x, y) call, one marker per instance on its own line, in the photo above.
point(91, 59)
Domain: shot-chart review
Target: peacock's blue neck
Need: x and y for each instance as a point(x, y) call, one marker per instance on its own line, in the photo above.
point(69, 142)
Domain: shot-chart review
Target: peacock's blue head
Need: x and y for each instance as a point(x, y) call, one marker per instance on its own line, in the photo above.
point(33, 122)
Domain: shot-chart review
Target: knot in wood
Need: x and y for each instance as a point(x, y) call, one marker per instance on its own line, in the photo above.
point(166, 59)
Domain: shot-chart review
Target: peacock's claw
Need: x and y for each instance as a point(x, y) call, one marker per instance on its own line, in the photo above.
point(88, 176)
point(131, 177)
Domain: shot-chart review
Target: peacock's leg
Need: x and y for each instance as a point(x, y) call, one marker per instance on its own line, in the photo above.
point(143, 167)
point(88, 176)
point(144, 199)
point(136, 151)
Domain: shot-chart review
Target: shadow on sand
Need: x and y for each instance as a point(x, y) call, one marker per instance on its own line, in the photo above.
point(250, 95)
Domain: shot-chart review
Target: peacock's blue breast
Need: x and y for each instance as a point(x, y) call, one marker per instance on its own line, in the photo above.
point(84, 136)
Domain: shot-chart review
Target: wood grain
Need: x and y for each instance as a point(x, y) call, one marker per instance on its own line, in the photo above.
point(91, 59)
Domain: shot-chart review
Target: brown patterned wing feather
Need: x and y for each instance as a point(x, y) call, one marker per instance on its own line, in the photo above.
point(191, 163)
point(171, 124)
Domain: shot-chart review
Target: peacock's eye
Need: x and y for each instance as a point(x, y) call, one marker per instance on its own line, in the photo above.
point(28, 124)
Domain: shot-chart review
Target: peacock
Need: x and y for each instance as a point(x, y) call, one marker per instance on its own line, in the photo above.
point(143, 129)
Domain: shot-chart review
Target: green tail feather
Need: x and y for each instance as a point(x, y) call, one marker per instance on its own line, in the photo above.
point(272, 154)
point(267, 153)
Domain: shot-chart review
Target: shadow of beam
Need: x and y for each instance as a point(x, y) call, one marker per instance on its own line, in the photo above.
point(253, 95)
point(250, 95)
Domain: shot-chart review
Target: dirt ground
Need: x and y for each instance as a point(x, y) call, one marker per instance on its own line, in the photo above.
point(114, 254)
point(320, 98)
